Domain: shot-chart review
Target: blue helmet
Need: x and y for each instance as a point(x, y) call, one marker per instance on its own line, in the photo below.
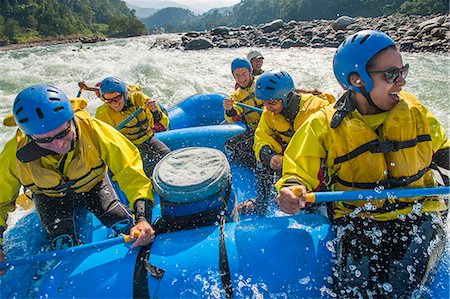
point(41, 108)
point(274, 85)
point(353, 54)
point(112, 84)
point(240, 62)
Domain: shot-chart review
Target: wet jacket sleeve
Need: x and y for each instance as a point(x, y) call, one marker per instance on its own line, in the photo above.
point(124, 161)
point(140, 98)
point(264, 137)
point(9, 183)
point(234, 114)
point(302, 157)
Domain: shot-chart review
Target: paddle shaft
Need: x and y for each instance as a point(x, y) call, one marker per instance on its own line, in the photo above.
point(373, 195)
point(63, 252)
point(126, 120)
point(256, 109)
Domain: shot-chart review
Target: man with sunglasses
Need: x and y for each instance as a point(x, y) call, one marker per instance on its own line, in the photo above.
point(121, 100)
point(375, 136)
point(286, 109)
point(62, 155)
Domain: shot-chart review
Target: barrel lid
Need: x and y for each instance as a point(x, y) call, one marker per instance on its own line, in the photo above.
point(191, 174)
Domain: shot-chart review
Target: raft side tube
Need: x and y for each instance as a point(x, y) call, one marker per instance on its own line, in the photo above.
point(197, 110)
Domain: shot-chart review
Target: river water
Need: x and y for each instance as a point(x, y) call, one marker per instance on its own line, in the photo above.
point(171, 75)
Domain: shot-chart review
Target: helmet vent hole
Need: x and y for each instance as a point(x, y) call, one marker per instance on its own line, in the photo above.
point(58, 108)
point(54, 99)
point(273, 81)
point(23, 120)
point(270, 88)
point(39, 113)
point(354, 37)
point(277, 75)
point(19, 110)
point(16, 103)
point(364, 39)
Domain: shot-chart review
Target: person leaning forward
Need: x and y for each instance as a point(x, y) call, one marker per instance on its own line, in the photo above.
point(121, 102)
point(62, 155)
point(286, 109)
point(376, 136)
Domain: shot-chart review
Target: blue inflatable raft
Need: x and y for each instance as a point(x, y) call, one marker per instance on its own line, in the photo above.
point(256, 257)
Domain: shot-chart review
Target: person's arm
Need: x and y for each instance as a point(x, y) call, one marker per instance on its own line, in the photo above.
point(301, 163)
point(82, 85)
point(9, 185)
point(158, 116)
point(124, 161)
point(232, 112)
point(265, 146)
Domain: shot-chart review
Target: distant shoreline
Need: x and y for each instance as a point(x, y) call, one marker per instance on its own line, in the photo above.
point(420, 34)
point(54, 41)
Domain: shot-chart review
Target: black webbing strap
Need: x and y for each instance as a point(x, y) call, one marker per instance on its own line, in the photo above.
point(376, 146)
point(142, 268)
point(140, 278)
point(390, 183)
point(224, 267)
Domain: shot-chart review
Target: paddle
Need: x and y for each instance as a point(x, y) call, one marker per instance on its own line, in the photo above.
point(130, 117)
point(64, 252)
point(372, 194)
point(79, 93)
point(256, 109)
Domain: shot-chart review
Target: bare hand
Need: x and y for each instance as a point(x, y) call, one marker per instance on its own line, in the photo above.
point(291, 203)
point(228, 104)
point(151, 104)
point(276, 162)
point(2, 259)
point(83, 85)
point(145, 233)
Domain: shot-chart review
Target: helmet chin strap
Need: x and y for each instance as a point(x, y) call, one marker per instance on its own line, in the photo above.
point(369, 100)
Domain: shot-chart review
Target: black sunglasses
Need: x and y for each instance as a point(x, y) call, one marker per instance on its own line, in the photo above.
point(392, 74)
point(114, 99)
point(60, 135)
point(273, 102)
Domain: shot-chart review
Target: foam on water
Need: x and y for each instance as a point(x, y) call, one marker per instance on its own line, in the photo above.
point(171, 75)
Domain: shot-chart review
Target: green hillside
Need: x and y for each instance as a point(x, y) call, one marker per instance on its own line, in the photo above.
point(30, 20)
point(252, 12)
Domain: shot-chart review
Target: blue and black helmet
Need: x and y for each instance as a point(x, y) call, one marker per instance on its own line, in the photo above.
point(112, 84)
point(240, 63)
point(41, 108)
point(274, 85)
point(354, 53)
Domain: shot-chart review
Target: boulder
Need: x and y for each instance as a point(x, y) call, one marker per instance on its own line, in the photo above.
point(221, 30)
point(200, 43)
point(341, 23)
point(272, 26)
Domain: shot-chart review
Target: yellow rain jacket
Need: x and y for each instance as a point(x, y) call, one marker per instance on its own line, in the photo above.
point(275, 131)
point(393, 149)
point(245, 96)
point(98, 147)
point(141, 127)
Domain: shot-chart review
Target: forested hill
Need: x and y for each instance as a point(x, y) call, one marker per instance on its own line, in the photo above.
point(29, 20)
point(253, 12)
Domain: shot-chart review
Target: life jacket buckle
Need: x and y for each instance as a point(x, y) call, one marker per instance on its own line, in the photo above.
point(386, 147)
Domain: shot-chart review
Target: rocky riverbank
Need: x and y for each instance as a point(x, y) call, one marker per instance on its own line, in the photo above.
point(411, 33)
